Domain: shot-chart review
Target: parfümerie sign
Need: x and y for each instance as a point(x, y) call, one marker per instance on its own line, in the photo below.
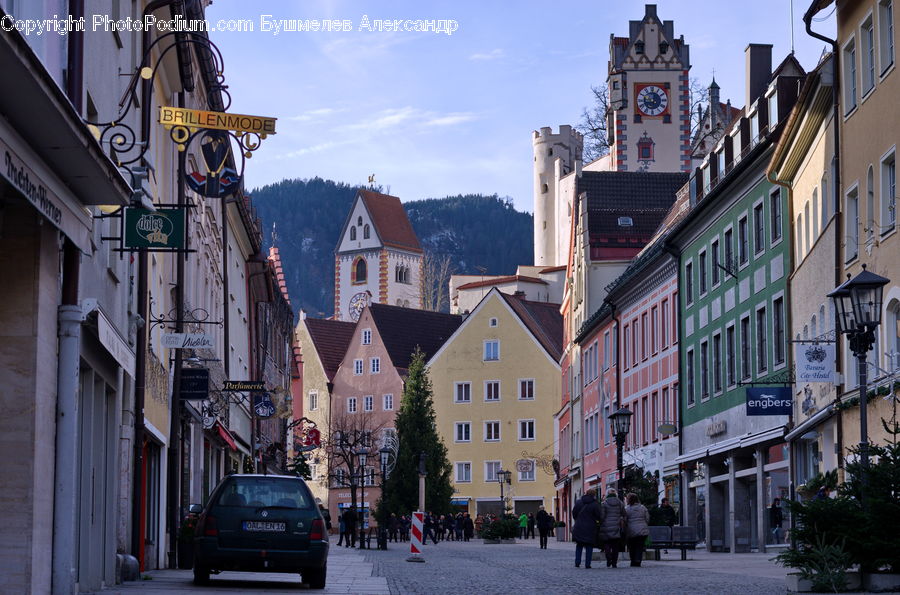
point(244, 385)
point(187, 340)
point(193, 118)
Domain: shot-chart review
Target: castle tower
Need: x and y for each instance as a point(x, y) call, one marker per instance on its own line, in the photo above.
point(555, 155)
point(649, 97)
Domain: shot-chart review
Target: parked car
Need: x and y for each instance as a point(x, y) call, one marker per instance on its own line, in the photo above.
point(261, 523)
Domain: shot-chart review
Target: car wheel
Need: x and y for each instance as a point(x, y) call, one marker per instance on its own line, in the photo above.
point(201, 574)
point(315, 577)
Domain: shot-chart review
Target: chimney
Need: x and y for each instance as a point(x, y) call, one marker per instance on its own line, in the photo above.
point(759, 70)
point(650, 11)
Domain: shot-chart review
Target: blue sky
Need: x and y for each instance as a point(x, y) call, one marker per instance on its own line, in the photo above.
point(434, 115)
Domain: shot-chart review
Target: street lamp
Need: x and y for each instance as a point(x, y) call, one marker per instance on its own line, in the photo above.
point(857, 304)
point(620, 424)
point(503, 477)
point(361, 455)
point(385, 453)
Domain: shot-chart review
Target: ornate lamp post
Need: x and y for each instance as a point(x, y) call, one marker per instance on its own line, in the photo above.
point(857, 304)
point(385, 454)
point(361, 456)
point(620, 423)
point(503, 477)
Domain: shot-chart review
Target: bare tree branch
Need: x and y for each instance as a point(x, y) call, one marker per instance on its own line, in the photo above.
point(348, 434)
point(436, 271)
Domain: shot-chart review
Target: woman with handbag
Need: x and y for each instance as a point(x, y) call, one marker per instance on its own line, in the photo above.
point(637, 528)
point(612, 527)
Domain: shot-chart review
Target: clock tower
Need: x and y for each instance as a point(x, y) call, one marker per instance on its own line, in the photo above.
point(649, 114)
point(378, 258)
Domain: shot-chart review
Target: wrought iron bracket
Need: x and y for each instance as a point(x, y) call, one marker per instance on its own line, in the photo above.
point(169, 320)
point(786, 377)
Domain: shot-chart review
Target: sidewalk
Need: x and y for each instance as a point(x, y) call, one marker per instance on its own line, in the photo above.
point(348, 572)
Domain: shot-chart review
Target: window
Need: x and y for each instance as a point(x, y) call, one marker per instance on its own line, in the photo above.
point(340, 475)
point(867, 38)
point(313, 400)
point(606, 345)
point(352, 233)
point(717, 363)
point(702, 272)
point(387, 402)
point(815, 215)
point(852, 225)
point(870, 205)
point(759, 228)
point(729, 356)
point(351, 405)
point(463, 431)
point(375, 365)
point(689, 282)
point(627, 343)
point(526, 429)
point(745, 348)
point(464, 472)
point(886, 34)
point(664, 324)
point(849, 63)
point(492, 322)
point(492, 431)
point(690, 377)
point(775, 214)
point(654, 323)
point(762, 359)
point(773, 110)
point(665, 406)
point(634, 342)
point(368, 403)
point(526, 389)
point(529, 474)
point(638, 47)
point(644, 338)
point(491, 351)
point(357, 367)
point(729, 250)
point(715, 262)
point(491, 468)
point(367, 337)
point(743, 245)
point(704, 370)
point(463, 392)
point(492, 390)
point(888, 194)
point(366, 231)
point(359, 271)
point(778, 330)
point(754, 128)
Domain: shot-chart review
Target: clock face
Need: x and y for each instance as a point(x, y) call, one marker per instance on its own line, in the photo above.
point(357, 304)
point(652, 100)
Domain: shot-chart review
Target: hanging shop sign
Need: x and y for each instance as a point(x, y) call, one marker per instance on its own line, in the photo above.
point(243, 385)
point(194, 383)
point(217, 180)
point(163, 228)
point(263, 405)
point(193, 118)
point(525, 466)
point(815, 362)
point(770, 400)
point(187, 340)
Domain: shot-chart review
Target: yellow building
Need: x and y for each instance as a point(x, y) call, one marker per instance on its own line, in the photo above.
point(496, 386)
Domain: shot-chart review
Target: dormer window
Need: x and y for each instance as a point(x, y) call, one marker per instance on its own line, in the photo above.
point(664, 47)
point(626, 222)
point(639, 47)
point(773, 109)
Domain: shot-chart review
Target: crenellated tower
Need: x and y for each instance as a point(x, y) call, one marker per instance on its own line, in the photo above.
point(555, 155)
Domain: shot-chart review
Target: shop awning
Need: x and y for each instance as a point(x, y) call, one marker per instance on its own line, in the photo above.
point(225, 435)
point(818, 418)
point(459, 501)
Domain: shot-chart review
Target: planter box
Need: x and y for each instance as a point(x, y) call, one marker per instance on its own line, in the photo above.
point(882, 582)
point(560, 535)
point(798, 585)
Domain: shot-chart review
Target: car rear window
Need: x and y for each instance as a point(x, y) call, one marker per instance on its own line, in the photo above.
point(261, 492)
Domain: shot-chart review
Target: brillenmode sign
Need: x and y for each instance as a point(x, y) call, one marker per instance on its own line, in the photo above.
point(193, 118)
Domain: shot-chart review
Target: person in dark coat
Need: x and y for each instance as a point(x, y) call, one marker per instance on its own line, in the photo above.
point(349, 517)
point(612, 527)
point(543, 522)
point(531, 522)
point(393, 527)
point(405, 523)
point(586, 514)
point(428, 524)
point(669, 516)
point(342, 530)
point(776, 519)
point(468, 527)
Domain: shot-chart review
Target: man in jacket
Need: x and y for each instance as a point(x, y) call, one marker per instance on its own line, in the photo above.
point(349, 517)
point(543, 522)
point(612, 527)
point(669, 516)
point(586, 514)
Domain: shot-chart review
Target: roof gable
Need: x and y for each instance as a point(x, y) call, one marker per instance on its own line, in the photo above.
point(330, 339)
point(390, 220)
point(403, 329)
point(542, 319)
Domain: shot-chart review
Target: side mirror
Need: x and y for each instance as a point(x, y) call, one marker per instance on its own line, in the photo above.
point(195, 508)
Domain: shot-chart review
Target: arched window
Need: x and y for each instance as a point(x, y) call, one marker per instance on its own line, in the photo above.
point(823, 323)
point(359, 220)
point(366, 232)
point(806, 243)
point(870, 204)
point(813, 328)
point(359, 270)
point(352, 233)
point(815, 214)
point(799, 236)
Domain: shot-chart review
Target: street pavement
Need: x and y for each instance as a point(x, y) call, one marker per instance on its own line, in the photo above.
point(475, 568)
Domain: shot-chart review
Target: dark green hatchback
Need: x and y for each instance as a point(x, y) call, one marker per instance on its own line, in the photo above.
point(261, 523)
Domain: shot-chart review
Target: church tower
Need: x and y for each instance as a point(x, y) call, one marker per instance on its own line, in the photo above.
point(555, 155)
point(649, 121)
point(378, 258)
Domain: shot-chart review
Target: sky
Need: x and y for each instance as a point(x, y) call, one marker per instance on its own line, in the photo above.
point(434, 115)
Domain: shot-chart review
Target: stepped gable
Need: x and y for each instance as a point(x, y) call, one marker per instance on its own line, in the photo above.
point(390, 220)
point(402, 329)
point(331, 339)
point(542, 319)
point(646, 197)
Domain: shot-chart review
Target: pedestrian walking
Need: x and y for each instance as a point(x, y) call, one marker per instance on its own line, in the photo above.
point(543, 521)
point(468, 527)
point(428, 529)
point(342, 530)
point(776, 519)
point(531, 525)
point(523, 525)
point(449, 526)
point(637, 528)
point(552, 526)
point(393, 527)
point(405, 523)
point(612, 527)
point(349, 517)
point(586, 514)
point(459, 526)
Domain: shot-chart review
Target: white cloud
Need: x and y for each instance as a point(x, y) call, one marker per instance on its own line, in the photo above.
point(314, 114)
point(491, 55)
point(451, 119)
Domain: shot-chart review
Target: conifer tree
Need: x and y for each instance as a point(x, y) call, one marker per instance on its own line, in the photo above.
point(416, 433)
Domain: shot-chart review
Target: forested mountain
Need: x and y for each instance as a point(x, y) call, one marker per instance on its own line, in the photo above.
point(473, 230)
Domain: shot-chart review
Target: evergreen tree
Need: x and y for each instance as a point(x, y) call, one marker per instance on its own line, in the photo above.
point(416, 433)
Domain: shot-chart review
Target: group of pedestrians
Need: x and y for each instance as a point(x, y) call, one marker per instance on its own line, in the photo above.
point(447, 527)
point(609, 525)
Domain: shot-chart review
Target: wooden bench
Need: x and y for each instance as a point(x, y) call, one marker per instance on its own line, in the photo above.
point(672, 538)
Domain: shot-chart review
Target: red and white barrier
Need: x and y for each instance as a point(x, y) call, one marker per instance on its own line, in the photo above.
point(415, 537)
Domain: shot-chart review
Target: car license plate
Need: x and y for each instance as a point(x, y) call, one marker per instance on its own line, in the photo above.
point(270, 526)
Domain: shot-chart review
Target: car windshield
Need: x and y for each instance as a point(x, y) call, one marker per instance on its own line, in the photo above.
point(264, 492)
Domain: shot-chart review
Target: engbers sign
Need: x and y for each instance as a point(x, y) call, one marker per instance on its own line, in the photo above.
point(815, 362)
point(770, 400)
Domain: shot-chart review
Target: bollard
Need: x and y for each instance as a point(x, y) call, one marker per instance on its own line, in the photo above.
point(415, 537)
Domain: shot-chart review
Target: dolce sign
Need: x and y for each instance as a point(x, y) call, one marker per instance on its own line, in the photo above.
point(772, 400)
point(815, 362)
point(160, 229)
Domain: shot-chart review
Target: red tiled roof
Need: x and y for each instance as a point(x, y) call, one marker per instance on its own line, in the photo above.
point(501, 280)
point(390, 220)
point(403, 329)
point(330, 338)
point(553, 269)
point(275, 259)
point(542, 319)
